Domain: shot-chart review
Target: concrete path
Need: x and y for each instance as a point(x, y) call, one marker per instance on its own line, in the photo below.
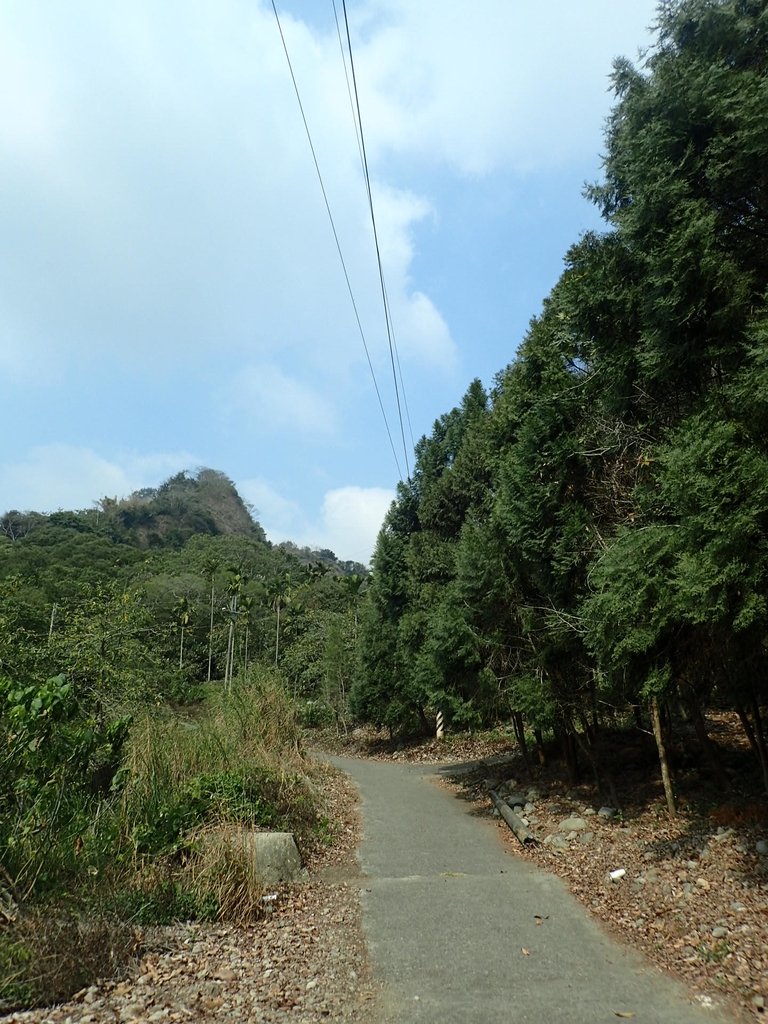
point(448, 912)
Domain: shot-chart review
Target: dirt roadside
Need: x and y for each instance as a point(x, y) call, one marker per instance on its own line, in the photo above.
point(693, 897)
point(304, 962)
point(693, 893)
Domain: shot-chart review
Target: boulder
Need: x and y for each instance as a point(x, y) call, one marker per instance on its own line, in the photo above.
point(272, 857)
point(572, 825)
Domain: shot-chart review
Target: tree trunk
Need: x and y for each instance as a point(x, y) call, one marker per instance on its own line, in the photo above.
point(708, 749)
point(519, 727)
point(666, 779)
point(210, 633)
point(570, 753)
point(540, 750)
point(603, 778)
point(760, 736)
point(756, 736)
point(277, 634)
point(181, 649)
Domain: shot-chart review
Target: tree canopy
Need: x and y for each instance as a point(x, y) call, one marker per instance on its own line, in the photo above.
point(592, 534)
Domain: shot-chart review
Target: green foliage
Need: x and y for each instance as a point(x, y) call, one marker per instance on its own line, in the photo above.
point(593, 532)
point(206, 797)
point(58, 762)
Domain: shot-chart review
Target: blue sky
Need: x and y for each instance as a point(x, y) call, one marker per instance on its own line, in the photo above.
point(170, 292)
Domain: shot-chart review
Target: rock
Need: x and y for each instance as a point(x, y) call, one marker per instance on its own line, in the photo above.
point(702, 883)
point(719, 932)
point(514, 800)
point(558, 842)
point(507, 786)
point(737, 906)
point(131, 1011)
point(759, 1003)
point(533, 794)
point(687, 888)
point(271, 857)
point(528, 807)
point(572, 825)
point(224, 974)
point(586, 837)
point(722, 836)
point(607, 812)
point(589, 812)
point(761, 846)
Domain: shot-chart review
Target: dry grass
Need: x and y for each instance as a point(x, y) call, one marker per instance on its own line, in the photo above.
point(46, 959)
point(222, 871)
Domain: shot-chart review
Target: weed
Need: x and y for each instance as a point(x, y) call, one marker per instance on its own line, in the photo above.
point(46, 956)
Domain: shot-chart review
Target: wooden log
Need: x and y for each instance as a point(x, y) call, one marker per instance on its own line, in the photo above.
point(514, 821)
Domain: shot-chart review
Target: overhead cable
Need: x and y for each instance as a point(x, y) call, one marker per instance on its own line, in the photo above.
point(358, 136)
point(387, 317)
point(338, 248)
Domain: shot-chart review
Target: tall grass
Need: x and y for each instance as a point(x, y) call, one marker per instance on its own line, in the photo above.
point(237, 757)
point(232, 761)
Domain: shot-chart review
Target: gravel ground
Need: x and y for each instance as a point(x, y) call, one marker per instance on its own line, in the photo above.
point(304, 962)
point(694, 892)
point(693, 897)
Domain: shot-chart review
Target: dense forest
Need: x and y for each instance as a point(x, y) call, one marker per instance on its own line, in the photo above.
point(586, 544)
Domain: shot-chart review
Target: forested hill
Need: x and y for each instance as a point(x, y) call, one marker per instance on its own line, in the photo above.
point(162, 564)
point(588, 543)
point(154, 517)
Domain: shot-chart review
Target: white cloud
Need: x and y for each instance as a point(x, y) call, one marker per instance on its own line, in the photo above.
point(270, 507)
point(347, 522)
point(65, 476)
point(493, 84)
point(352, 518)
point(166, 204)
point(420, 331)
point(274, 402)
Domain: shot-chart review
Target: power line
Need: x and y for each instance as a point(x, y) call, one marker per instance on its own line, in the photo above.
point(387, 317)
point(358, 136)
point(338, 247)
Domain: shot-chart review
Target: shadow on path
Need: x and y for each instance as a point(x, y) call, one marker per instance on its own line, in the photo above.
point(451, 922)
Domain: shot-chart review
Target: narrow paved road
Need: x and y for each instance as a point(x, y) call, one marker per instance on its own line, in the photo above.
point(448, 914)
